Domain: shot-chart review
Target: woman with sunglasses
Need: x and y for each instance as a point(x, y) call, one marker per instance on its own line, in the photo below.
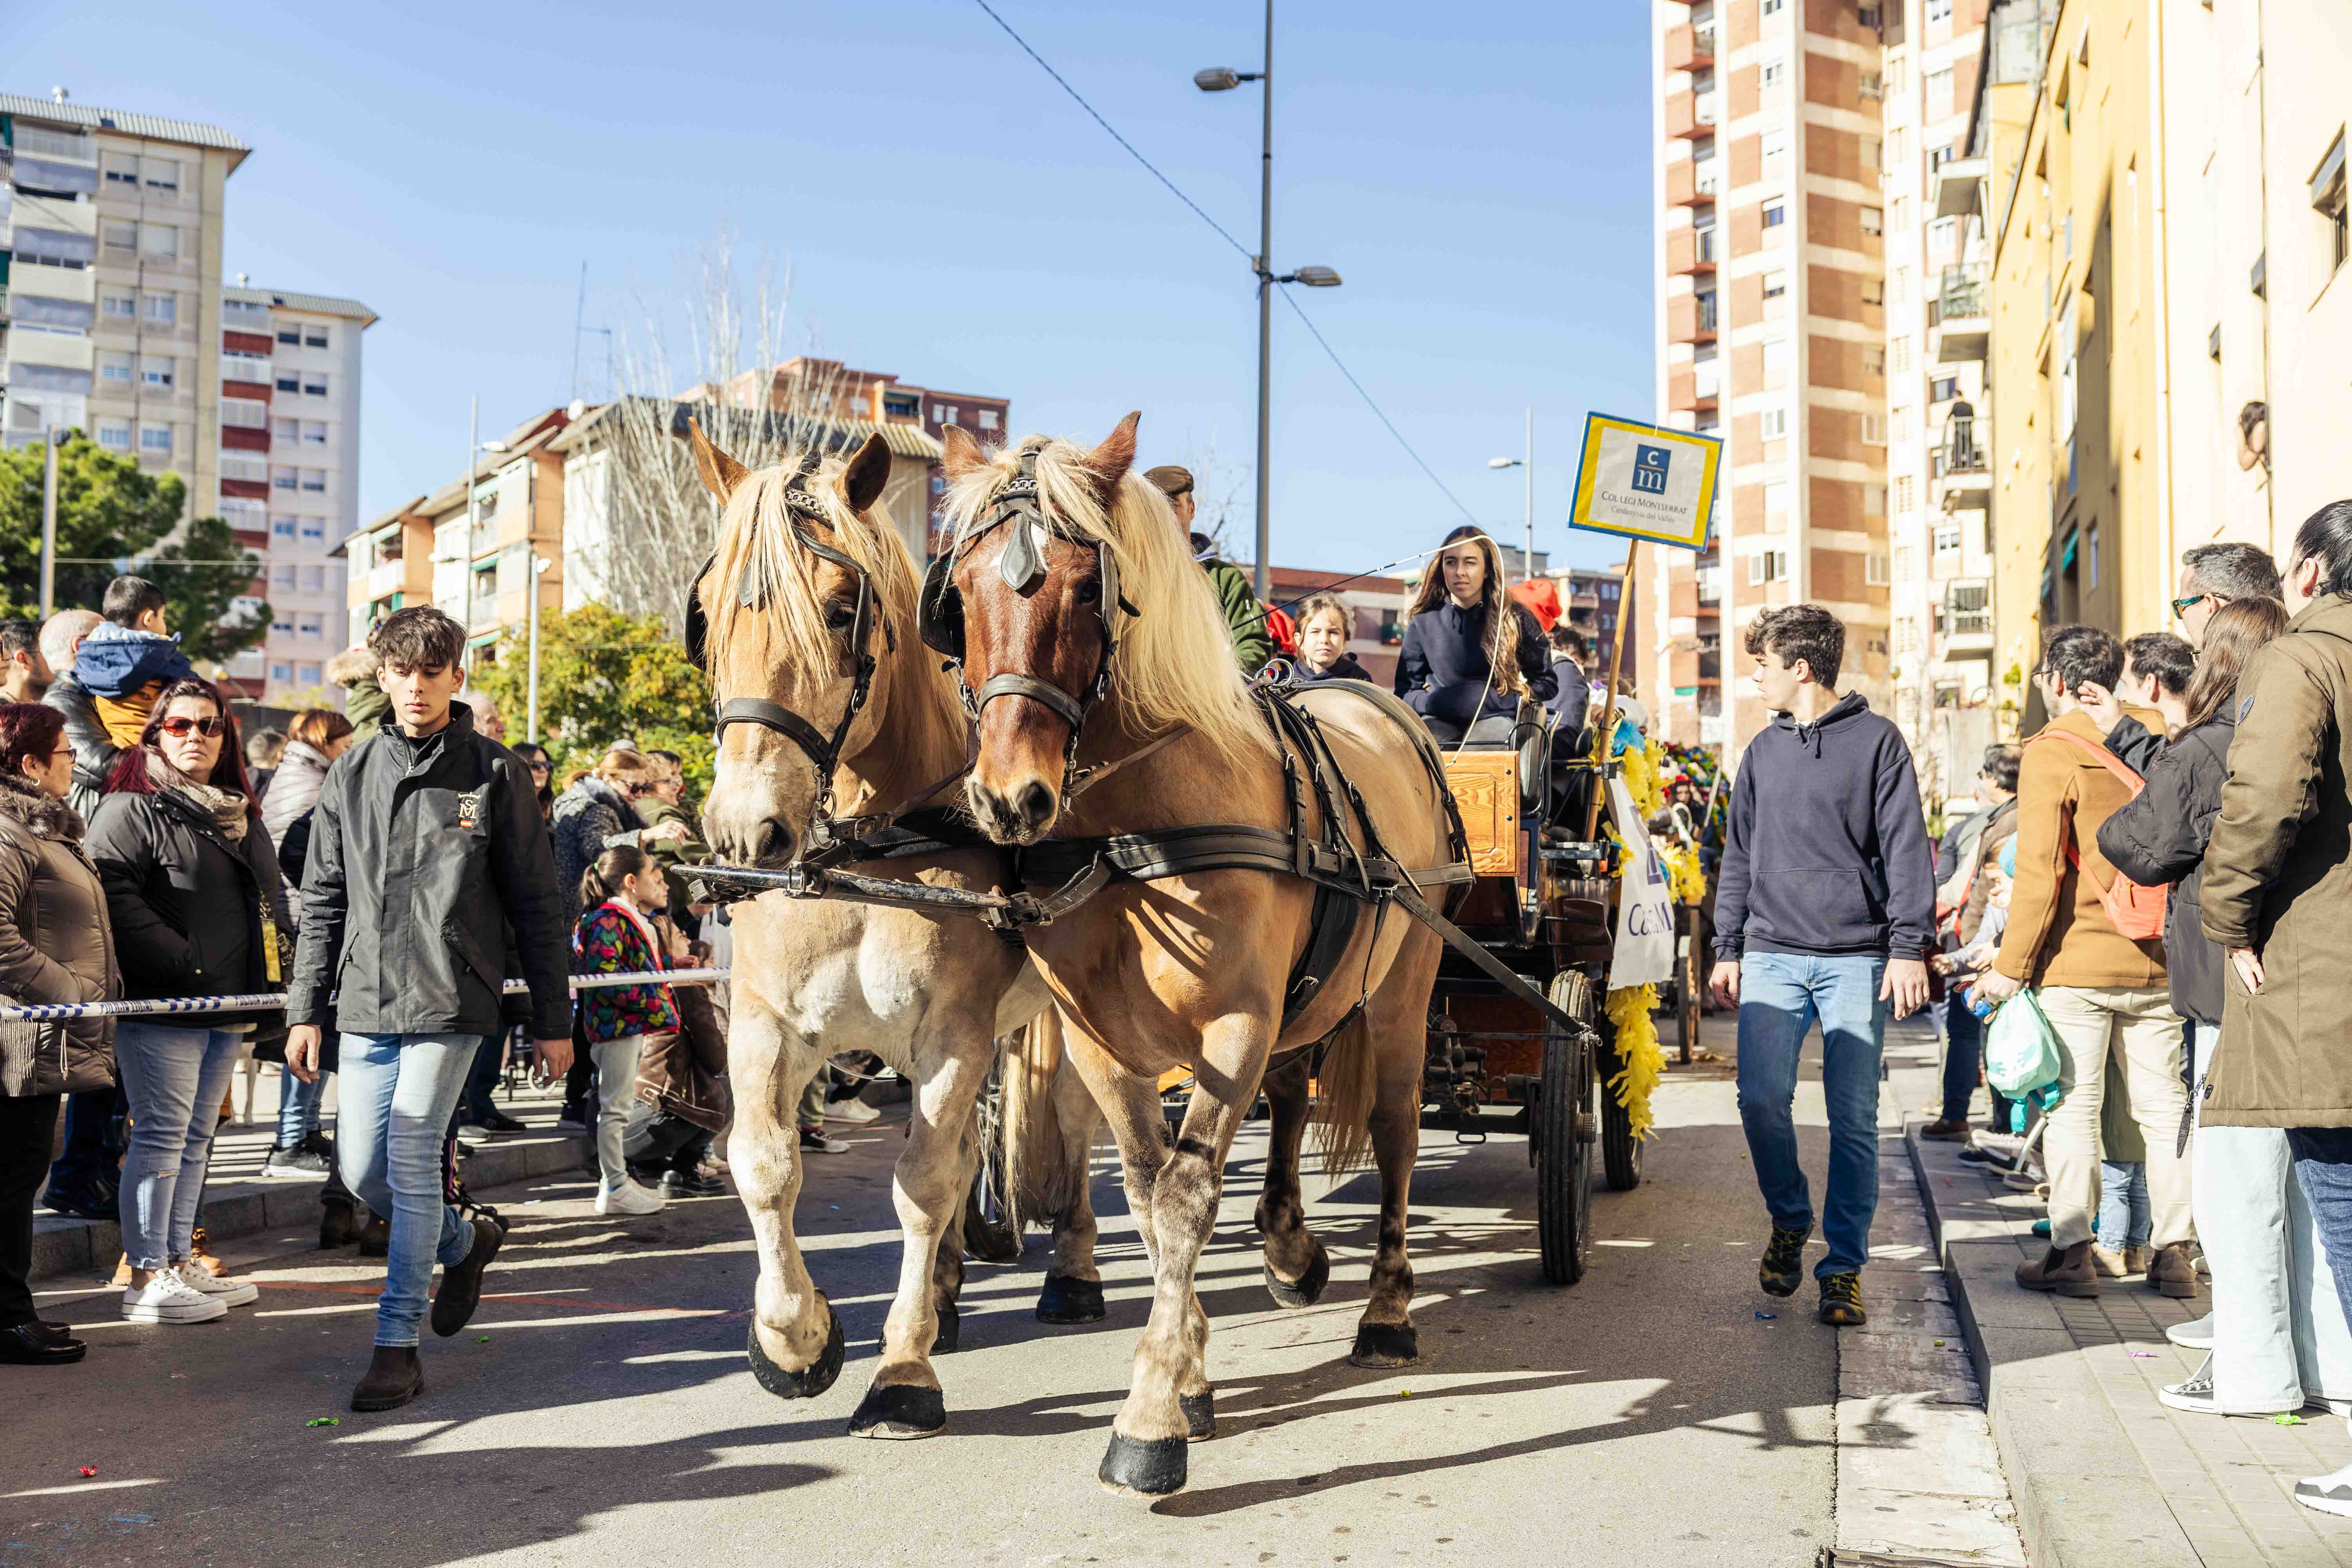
point(193, 888)
point(542, 776)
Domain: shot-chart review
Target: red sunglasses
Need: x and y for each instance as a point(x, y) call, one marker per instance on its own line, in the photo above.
point(179, 727)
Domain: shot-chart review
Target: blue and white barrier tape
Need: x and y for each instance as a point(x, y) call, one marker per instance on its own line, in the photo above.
point(51, 1012)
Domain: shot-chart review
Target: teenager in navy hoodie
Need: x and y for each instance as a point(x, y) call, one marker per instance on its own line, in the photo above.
point(1825, 902)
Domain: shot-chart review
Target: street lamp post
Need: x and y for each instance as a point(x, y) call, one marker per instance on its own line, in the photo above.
point(52, 440)
point(539, 566)
point(1529, 463)
point(1221, 79)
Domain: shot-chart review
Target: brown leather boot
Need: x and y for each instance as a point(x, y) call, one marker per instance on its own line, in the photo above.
point(2069, 1271)
point(394, 1378)
point(2172, 1272)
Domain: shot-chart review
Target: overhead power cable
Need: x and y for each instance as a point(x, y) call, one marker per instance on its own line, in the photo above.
point(1078, 98)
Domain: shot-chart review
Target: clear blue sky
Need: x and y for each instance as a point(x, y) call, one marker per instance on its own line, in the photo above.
point(1480, 176)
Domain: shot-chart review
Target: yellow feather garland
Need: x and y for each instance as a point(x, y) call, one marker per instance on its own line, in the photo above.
point(1638, 1048)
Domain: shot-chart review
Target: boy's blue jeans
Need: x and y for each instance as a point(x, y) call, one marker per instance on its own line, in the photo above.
point(1781, 996)
point(398, 1094)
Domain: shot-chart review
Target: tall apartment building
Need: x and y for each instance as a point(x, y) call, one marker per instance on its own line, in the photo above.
point(112, 277)
point(1938, 488)
point(289, 473)
point(1772, 326)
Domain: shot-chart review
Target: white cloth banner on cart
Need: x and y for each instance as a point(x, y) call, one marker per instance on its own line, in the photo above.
point(1644, 953)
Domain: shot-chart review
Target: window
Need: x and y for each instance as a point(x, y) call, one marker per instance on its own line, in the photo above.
point(1776, 153)
point(118, 235)
point(1772, 425)
point(155, 439)
point(310, 627)
point(282, 528)
point(1873, 569)
point(281, 577)
point(314, 432)
point(1772, 8)
point(115, 368)
point(244, 413)
point(1776, 212)
point(282, 622)
point(162, 309)
point(1874, 291)
point(280, 674)
point(1944, 388)
point(1875, 221)
point(155, 372)
point(1941, 235)
point(1873, 500)
point(1939, 10)
point(1775, 284)
point(1905, 494)
point(285, 429)
point(314, 530)
point(315, 480)
point(943, 413)
point(309, 675)
point(285, 480)
point(1894, 149)
point(1768, 566)
point(314, 337)
point(1939, 94)
point(114, 434)
point(314, 384)
point(163, 173)
point(1871, 86)
point(314, 579)
point(1873, 360)
point(1900, 356)
point(1948, 539)
point(292, 336)
point(1776, 361)
point(1895, 73)
point(1874, 430)
point(161, 239)
point(1776, 497)
point(1775, 73)
point(2327, 199)
point(288, 379)
point(121, 169)
point(2091, 554)
point(1898, 285)
point(120, 307)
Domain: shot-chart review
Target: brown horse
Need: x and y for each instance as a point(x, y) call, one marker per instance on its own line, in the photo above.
point(785, 640)
point(1194, 970)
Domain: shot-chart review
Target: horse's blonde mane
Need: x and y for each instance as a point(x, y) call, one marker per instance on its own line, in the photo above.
point(788, 624)
point(1175, 661)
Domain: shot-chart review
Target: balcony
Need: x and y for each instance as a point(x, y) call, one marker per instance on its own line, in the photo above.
point(1690, 319)
point(1690, 251)
point(1956, 315)
point(1691, 114)
point(249, 369)
point(1960, 186)
point(1691, 182)
point(1689, 47)
point(1965, 620)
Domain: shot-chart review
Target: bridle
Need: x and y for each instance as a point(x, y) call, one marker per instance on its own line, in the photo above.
point(1021, 564)
point(823, 752)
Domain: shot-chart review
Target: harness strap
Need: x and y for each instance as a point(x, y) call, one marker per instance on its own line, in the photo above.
point(1071, 711)
point(784, 721)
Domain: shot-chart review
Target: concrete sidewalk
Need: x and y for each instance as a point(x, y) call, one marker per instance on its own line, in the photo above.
point(2102, 1472)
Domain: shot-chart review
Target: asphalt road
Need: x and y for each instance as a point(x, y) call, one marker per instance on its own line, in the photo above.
point(599, 1410)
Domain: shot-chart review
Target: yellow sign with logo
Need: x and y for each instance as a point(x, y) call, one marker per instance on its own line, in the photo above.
point(1640, 480)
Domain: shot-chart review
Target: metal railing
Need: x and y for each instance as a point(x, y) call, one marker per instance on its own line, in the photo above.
point(270, 1001)
point(1960, 453)
point(1961, 292)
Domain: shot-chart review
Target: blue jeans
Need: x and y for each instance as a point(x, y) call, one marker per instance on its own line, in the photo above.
point(1780, 996)
point(298, 1106)
point(482, 1079)
point(174, 1078)
point(93, 1122)
point(2125, 1219)
point(398, 1094)
point(1963, 1047)
point(2323, 1169)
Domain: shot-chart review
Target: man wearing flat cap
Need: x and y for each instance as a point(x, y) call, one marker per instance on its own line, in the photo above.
point(1245, 616)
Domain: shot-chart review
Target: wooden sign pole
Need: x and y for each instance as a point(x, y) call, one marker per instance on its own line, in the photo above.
point(1609, 712)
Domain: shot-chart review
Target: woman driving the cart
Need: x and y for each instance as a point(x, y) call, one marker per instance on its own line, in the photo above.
point(1470, 653)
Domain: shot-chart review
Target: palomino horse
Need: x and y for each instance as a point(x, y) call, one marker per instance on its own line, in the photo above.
point(1132, 669)
point(806, 617)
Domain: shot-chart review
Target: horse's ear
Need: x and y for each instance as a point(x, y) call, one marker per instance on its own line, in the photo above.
point(961, 453)
point(1109, 463)
point(868, 471)
point(720, 473)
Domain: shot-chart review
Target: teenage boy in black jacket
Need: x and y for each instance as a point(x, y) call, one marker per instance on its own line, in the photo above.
point(1824, 908)
point(425, 845)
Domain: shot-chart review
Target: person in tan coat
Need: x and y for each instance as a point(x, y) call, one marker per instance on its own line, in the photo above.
point(2104, 993)
point(2277, 895)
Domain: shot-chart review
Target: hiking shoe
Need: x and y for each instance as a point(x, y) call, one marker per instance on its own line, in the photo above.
point(2197, 1334)
point(1783, 1268)
point(1944, 1130)
point(393, 1377)
point(461, 1282)
point(168, 1298)
point(2172, 1272)
point(816, 1141)
point(2068, 1272)
point(628, 1198)
point(298, 1161)
point(1841, 1301)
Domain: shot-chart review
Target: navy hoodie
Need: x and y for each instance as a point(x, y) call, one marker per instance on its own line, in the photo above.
point(1442, 670)
point(1827, 852)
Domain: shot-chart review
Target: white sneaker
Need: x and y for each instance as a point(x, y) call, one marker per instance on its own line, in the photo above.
point(2328, 1494)
point(628, 1198)
point(168, 1298)
point(855, 1113)
point(2197, 1334)
point(228, 1292)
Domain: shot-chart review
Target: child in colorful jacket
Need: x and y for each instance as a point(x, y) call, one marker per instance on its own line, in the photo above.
point(621, 893)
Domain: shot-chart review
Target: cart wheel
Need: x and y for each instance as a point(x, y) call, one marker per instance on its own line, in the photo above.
point(1621, 1151)
point(987, 1233)
point(1563, 1128)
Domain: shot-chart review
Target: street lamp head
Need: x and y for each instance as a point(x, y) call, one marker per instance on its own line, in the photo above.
point(494, 447)
point(1318, 277)
point(1217, 79)
point(1502, 462)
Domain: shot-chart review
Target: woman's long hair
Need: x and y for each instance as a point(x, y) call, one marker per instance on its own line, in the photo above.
point(601, 881)
point(1502, 624)
point(131, 777)
point(2236, 631)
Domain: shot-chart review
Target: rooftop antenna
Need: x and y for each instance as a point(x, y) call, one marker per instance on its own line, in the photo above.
point(60, 94)
point(579, 324)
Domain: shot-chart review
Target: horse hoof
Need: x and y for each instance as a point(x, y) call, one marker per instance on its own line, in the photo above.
point(1142, 1466)
point(1067, 1301)
point(950, 1331)
point(811, 1380)
point(1309, 1289)
point(900, 1410)
point(1199, 1414)
point(1385, 1345)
